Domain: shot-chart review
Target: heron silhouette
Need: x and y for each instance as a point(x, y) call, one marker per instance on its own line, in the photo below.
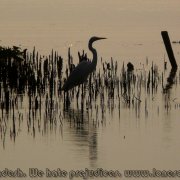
point(80, 73)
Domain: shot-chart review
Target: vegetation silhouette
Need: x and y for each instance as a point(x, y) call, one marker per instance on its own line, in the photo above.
point(30, 91)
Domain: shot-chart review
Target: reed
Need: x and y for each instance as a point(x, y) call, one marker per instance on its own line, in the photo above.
point(30, 90)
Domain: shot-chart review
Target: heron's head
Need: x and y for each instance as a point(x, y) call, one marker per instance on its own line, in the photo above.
point(94, 38)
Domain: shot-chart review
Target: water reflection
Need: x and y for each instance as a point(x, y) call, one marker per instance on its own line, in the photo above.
point(34, 106)
point(83, 134)
point(170, 80)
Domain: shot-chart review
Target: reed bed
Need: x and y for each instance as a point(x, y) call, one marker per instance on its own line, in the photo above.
point(30, 92)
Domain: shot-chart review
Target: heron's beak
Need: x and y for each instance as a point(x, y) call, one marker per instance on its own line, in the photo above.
point(101, 38)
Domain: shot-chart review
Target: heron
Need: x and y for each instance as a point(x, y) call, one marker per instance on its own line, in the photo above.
point(81, 72)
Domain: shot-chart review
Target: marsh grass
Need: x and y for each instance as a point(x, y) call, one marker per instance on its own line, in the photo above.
point(30, 93)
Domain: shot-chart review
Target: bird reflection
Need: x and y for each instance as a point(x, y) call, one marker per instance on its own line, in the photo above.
point(83, 133)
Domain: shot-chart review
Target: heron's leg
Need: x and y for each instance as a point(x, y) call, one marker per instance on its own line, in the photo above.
point(82, 95)
point(64, 97)
point(67, 99)
point(82, 101)
point(90, 87)
point(64, 100)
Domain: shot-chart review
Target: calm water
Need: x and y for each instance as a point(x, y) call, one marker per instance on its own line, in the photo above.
point(120, 137)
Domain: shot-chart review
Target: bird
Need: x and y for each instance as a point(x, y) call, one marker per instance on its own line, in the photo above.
point(81, 72)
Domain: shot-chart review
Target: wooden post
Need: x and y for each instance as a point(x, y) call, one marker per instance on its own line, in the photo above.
point(169, 50)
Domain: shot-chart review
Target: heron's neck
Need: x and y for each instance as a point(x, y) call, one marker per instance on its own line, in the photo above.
point(94, 60)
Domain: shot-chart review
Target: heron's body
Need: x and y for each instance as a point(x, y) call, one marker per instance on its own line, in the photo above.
point(80, 74)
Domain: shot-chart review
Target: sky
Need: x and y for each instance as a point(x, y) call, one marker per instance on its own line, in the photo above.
point(132, 26)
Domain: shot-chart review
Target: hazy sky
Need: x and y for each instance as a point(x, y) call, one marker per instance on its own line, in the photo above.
point(60, 23)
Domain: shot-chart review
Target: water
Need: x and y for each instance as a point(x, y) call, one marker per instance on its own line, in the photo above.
point(119, 137)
